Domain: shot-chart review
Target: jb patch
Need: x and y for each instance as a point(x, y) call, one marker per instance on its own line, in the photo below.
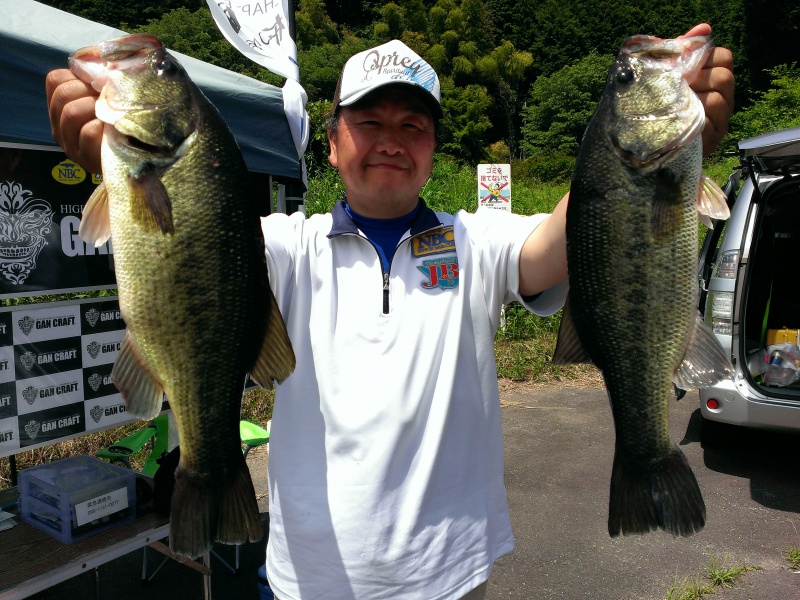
point(441, 272)
point(433, 242)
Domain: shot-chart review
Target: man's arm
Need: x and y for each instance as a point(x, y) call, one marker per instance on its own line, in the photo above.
point(543, 261)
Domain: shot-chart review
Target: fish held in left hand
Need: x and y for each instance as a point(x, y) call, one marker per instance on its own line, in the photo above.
point(632, 239)
point(191, 275)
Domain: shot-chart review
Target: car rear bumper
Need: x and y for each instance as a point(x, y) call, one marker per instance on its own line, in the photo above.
point(742, 404)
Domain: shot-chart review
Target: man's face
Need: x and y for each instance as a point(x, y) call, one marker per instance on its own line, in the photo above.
point(384, 152)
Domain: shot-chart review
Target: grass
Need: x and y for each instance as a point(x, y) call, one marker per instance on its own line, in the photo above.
point(793, 558)
point(716, 574)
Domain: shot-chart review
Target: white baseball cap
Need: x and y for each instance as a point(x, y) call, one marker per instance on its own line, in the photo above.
point(388, 64)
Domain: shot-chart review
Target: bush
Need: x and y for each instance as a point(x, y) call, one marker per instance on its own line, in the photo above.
point(545, 167)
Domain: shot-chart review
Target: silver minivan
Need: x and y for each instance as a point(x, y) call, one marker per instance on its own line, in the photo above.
point(749, 276)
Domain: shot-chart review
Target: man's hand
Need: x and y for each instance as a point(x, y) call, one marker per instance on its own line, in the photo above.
point(72, 119)
point(714, 86)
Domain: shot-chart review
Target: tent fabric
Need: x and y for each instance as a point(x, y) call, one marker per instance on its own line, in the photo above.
point(35, 38)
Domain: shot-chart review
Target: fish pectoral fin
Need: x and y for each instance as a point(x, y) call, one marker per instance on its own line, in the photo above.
point(569, 348)
point(276, 358)
point(150, 203)
point(711, 202)
point(143, 394)
point(704, 362)
point(95, 224)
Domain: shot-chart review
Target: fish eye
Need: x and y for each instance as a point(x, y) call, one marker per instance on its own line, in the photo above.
point(624, 75)
point(165, 66)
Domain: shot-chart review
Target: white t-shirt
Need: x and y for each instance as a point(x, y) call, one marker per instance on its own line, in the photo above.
point(386, 448)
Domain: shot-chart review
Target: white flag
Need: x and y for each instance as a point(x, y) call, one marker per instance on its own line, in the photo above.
point(259, 29)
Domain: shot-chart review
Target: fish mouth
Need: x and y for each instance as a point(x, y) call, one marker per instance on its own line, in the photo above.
point(670, 123)
point(686, 54)
point(93, 64)
point(638, 157)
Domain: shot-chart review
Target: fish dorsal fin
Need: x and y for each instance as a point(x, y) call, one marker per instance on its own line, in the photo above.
point(276, 358)
point(711, 202)
point(142, 393)
point(150, 203)
point(95, 226)
point(569, 348)
point(704, 362)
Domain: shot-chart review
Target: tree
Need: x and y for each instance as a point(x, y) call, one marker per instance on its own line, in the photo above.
point(505, 68)
point(313, 26)
point(774, 109)
point(561, 105)
point(466, 120)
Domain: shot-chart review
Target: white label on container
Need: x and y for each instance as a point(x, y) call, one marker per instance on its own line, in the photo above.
point(101, 506)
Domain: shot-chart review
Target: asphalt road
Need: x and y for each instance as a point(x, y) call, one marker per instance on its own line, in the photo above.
point(559, 449)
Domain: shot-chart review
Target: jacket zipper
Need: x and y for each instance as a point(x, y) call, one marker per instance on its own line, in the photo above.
point(386, 292)
point(386, 273)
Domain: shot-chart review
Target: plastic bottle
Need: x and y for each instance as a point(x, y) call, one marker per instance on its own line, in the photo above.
point(781, 371)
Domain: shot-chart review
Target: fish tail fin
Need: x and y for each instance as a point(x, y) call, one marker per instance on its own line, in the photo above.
point(239, 520)
point(663, 496)
point(193, 515)
point(204, 512)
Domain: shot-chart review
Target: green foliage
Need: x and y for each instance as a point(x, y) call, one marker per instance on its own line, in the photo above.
point(196, 34)
point(466, 120)
point(561, 105)
point(493, 55)
point(774, 109)
point(716, 574)
point(546, 167)
point(318, 150)
point(313, 26)
point(451, 186)
point(793, 558)
point(325, 189)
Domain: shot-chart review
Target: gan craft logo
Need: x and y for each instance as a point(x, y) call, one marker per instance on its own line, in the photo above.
point(32, 428)
point(26, 324)
point(30, 394)
point(28, 360)
point(24, 223)
point(96, 413)
point(93, 349)
point(95, 381)
point(92, 316)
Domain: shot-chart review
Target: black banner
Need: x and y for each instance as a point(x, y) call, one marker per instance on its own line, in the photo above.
point(42, 195)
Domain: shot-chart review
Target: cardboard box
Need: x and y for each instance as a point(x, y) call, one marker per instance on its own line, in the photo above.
point(75, 497)
point(781, 336)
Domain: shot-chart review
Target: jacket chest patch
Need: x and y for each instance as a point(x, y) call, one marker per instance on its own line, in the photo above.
point(438, 241)
point(440, 272)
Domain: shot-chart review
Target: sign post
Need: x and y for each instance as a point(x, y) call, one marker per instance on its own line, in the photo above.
point(494, 187)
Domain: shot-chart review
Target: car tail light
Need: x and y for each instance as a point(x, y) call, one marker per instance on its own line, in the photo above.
point(726, 266)
point(712, 404)
point(719, 312)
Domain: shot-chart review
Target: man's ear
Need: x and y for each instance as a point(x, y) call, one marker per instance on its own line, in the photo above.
point(332, 157)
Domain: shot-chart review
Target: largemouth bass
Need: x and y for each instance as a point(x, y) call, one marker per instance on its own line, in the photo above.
point(632, 230)
point(191, 274)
